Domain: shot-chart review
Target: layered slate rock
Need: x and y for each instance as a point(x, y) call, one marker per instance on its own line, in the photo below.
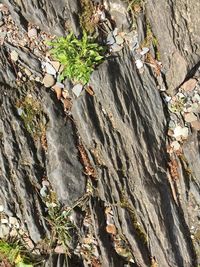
point(123, 129)
point(52, 16)
point(24, 163)
point(177, 28)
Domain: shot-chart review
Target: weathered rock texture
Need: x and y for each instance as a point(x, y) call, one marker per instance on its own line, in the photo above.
point(123, 128)
point(176, 24)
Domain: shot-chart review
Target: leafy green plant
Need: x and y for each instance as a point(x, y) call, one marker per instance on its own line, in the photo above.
point(14, 254)
point(79, 57)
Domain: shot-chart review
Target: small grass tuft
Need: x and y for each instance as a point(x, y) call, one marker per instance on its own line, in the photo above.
point(61, 226)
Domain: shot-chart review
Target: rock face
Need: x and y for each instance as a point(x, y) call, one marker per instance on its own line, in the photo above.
point(177, 27)
point(122, 128)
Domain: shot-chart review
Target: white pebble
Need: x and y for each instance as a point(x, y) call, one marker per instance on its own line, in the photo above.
point(139, 63)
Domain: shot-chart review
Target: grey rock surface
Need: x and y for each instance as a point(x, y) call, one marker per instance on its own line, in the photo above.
point(123, 129)
point(128, 133)
point(51, 16)
point(176, 26)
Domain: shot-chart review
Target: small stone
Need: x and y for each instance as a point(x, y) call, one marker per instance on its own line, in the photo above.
point(28, 72)
point(29, 242)
point(196, 98)
point(119, 40)
point(14, 55)
point(180, 95)
point(43, 191)
point(37, 79)
point(19, 74)
point(58, 91)
point(194, 108)
point(116, 48)
point(175, 145)
point(172, 124)
point(1, 208)
point(20, 111)
point(115, 31)
point(49, 68)
point(196, 125)
point(4, 221)
point(56, 65)
point(77, 89)
point(1, 23)
point(48, 80)
point(139, 63)
point(110, 39)
point(13, 232)
point(167, 98)
point(180, 132)
point(32, 78)
point(13, 220)
point(45, 183)
point(4, 231)
point(65, 94)
point(190, 117)
point(32, 33)
point(144, 51)
point(189, 85)
point(59, 249)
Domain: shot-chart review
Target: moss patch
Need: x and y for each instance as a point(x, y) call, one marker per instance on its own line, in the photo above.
point(138, 228)
point(30, 111)
point(151, 39)
point(86, 16)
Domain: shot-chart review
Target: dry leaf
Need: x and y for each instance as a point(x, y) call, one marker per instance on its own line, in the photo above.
point(153, 63)
point(154, 262)
point(67, 104)
point(58, 91)
point(89, 170)
point(111, 229)
point(89, 90)
point(173, 169)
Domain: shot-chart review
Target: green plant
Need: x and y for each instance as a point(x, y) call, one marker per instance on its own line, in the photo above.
point(79, 57)
point(134, 6)
point(177, 106)
point(61, 226)
point(151, 39)
point(14, 254)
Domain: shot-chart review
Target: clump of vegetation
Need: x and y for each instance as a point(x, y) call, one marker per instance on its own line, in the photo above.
point(138, 228)
point(134, 5)
point(78, 57)
point(61, 225)
point(31, 113)
point(177, 105)
point(151, 40)
point(86, 16)
point(14, 254)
